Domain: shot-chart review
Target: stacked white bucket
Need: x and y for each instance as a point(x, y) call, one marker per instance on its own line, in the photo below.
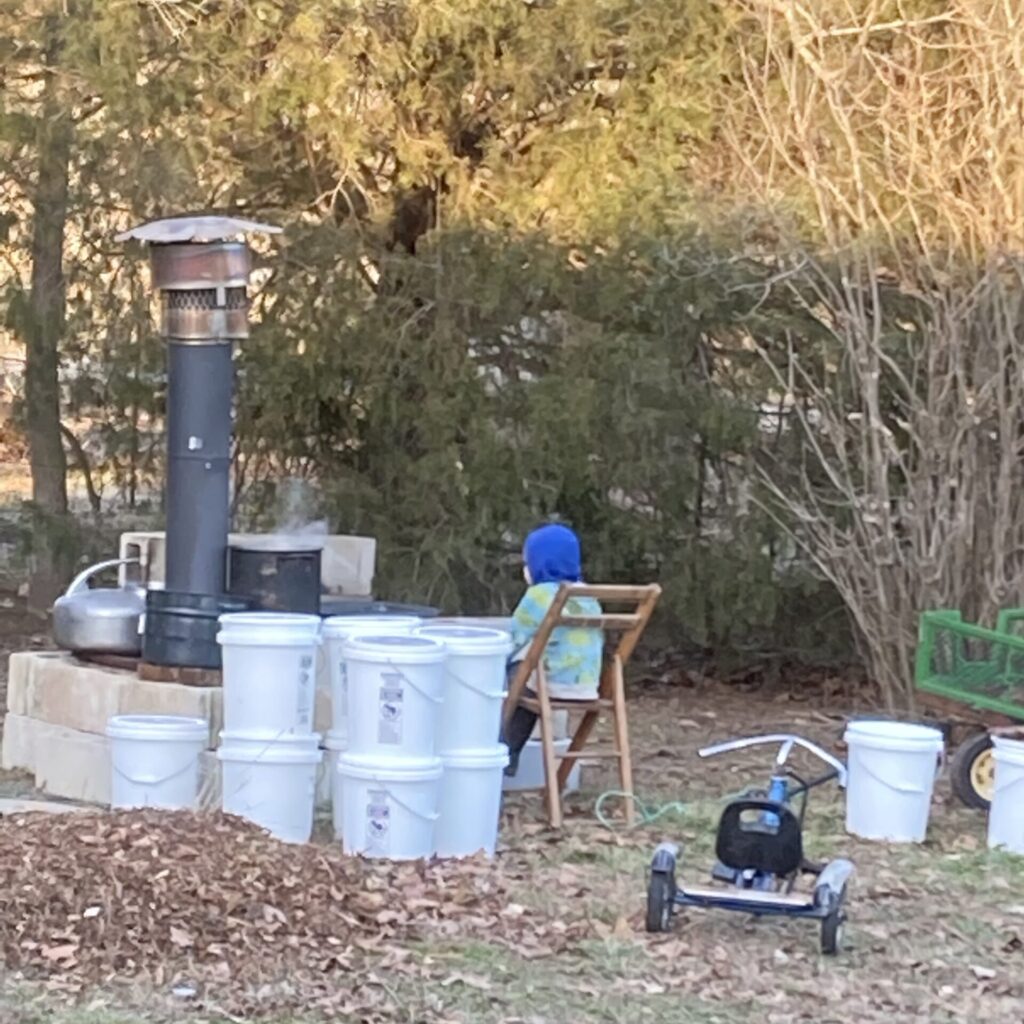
point(422, 771)
point(268, 751)
point(473, 761)
point(1006, 815)
point(337, 630)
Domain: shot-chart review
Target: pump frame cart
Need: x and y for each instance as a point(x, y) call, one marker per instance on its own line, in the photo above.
point(760, 855)
point(973, 677)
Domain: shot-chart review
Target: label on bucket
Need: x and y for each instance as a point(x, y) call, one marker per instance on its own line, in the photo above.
point(343, 688)
point(389, 726)
point(378, 823)
point(306, 687)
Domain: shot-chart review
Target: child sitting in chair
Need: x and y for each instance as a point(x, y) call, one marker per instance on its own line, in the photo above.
point(572, 658)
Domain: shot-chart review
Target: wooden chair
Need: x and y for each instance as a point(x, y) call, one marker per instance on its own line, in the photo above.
point(627, 626)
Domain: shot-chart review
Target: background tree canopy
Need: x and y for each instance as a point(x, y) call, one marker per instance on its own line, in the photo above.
point(699, 278)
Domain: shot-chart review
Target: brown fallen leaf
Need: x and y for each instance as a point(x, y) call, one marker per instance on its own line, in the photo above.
point(54, 954)
point(181, 938)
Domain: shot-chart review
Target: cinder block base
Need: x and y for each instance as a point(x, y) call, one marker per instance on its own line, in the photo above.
point(58, 708)
point(57, 688)
point(65, 762)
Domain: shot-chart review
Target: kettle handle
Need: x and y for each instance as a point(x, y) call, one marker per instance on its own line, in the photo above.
point(79, 582)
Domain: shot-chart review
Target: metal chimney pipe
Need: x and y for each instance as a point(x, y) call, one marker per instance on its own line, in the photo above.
point(202, 276)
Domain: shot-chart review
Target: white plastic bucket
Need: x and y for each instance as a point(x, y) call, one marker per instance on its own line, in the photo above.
point(1006, 815)
point(339, 628)
point(387, 807)
point(334, 744)
point(269, 672)
point(892, 768)
point(154, 760)
point(470, 803)
point(530, 773)
point(474, 685)
point(271, 782)
point(395, 688)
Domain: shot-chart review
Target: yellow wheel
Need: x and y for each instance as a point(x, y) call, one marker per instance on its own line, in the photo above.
point(972, 771)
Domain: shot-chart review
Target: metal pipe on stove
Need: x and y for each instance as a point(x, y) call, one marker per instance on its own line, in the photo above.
point(202, 272)
point(199, 389)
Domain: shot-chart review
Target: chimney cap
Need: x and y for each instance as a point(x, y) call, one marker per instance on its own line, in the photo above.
point(194, 228)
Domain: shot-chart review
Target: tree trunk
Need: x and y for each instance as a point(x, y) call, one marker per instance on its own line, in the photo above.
point(51, 548)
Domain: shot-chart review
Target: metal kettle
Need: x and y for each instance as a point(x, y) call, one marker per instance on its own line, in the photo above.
point(104, 620)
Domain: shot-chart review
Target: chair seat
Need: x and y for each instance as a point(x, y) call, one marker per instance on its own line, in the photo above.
point(532, 704)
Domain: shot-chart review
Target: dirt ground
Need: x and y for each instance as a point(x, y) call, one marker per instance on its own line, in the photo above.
point(935, 933)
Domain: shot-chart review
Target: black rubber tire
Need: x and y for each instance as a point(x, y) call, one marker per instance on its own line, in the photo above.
point(961, 767)
point(832, 927)
point(661, 892)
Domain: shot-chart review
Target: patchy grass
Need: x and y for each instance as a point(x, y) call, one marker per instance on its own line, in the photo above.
point(936, 932)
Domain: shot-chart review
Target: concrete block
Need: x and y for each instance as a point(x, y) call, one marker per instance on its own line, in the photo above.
point(61, 690)
point(72, 764)
point(346, 563)
point(19, 674)
point(143, 698)
point(19, 749)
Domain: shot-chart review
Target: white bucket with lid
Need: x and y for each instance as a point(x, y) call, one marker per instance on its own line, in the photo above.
point(395, 690)
point(474, 684)
point(154, 760)
point(271, 781)
point(387, 807)
point(470, 803)
point(892, 768)
point(339, 628)
point(269, 672)
point(334, 744)
point(1006, 814)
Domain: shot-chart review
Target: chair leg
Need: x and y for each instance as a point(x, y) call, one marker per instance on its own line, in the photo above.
point(622, 739)
point(547, 740)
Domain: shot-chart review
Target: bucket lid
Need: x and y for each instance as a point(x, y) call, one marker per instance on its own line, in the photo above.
point(892, 732)
point(469, 639)
point(390, 769)
point(349, 625)
point(406, 649)
point(158, 727)
point(268, 629)
point(270, 620)
point(282, 749)
point(476, 757)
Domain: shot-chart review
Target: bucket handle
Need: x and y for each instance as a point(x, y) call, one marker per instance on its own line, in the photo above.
point(433, 816)
point(418, 689)
point(151, 780)
point(493, 695)
point(902, 788)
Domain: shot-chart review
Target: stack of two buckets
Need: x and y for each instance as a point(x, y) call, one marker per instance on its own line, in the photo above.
point(268, 750)
point(420, 709)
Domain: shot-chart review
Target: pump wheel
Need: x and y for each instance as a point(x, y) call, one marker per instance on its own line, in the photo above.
point(660, 902)
point(972, 772)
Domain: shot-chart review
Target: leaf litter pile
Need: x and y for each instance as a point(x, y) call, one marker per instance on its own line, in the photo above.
point(210, 906)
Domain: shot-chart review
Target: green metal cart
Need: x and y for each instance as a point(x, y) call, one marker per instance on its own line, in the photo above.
point(976, 677)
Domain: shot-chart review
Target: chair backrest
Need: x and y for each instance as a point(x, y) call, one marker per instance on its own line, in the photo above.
point(628, 625)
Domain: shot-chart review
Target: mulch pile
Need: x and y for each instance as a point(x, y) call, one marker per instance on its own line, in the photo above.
point(211, 908)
